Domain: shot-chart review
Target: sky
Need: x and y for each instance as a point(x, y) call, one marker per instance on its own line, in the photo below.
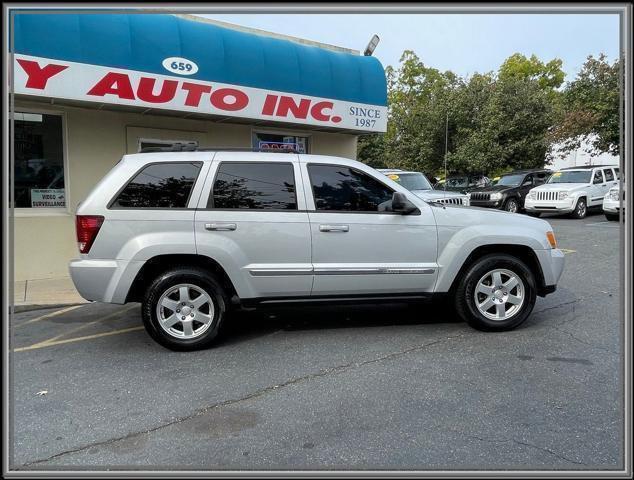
point(462, 43)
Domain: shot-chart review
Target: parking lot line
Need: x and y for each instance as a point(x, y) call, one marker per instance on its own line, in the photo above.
point(76, 339)
point(567, 250)
point(612, 224)
point(49, 315)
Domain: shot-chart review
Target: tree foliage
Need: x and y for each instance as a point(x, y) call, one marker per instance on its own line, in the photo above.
point(496, 121)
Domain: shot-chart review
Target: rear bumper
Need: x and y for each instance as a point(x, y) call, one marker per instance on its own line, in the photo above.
point(104, 280)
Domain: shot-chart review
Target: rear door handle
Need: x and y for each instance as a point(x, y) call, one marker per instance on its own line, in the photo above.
point(220, 226)
point(334, 228)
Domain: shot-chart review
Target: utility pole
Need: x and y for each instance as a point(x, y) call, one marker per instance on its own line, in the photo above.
point(446, 143)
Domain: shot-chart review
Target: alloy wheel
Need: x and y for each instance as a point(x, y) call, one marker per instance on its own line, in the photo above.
point(499, 294)
point(185, 311)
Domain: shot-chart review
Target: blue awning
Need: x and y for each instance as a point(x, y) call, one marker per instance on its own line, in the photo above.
point(142, 41)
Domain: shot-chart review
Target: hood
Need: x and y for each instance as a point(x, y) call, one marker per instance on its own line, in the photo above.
point(434, 194)
point(494, 188)
point(560, 187)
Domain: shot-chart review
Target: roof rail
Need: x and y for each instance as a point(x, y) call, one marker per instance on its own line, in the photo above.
point(179, 147)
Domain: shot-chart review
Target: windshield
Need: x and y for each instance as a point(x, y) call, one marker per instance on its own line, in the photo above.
point(458, 182)
point(411, 181)
point(510, 180)
point(571, 176)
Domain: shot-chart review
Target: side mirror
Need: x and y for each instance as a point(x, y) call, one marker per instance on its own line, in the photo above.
point(401, 204)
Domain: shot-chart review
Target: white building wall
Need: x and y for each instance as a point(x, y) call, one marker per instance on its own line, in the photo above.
point(581, 157)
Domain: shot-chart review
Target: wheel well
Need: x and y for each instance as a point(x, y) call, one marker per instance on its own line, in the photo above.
point(161, 263)
point(522, 252)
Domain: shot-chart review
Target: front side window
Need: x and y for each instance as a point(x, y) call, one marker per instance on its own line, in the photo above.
point(340, 188)
point(598, 177)
point(39, 161)
point(254, 185)
point(609, 176)
point(159, 185)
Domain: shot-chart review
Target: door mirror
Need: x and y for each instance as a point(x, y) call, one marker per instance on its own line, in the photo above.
point(401, 204)
point(527, 183)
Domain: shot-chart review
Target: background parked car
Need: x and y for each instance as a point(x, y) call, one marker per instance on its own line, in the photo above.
point(573, 190)
point(508, 191)
point(419, 185)
point(611, 203)
point(464, 183)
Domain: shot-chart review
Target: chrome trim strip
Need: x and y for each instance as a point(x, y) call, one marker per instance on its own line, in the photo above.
point(272, 272)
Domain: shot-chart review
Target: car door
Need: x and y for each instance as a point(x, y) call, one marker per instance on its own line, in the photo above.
point(358, 250)
point(252, 219)
point(525, 186)
point(597, 189)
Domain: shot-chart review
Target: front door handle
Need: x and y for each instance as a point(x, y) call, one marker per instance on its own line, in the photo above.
point(220, 226)
point(334, 228)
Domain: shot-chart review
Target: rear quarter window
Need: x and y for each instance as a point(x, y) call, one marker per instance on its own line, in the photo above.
point(159, 185)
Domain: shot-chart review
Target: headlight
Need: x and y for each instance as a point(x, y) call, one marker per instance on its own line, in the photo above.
point(614, 195)
point(531, 195)
point(563, 195)
point(467, 200)
point(496, 196)
point(468, 194)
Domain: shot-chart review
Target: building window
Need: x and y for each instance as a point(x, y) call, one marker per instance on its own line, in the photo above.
point(262, 186)
point(280, 141)
point(340, 188)
point(156, 143)
point(39, 161)
point(160, 185)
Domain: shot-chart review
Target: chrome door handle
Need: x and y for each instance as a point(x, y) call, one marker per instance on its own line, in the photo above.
point(220, 226)
point(334, 228)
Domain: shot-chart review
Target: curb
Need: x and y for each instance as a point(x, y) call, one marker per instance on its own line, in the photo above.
point(33, 307)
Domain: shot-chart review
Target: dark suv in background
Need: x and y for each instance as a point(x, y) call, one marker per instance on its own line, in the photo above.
point(508, 191)
point(463, 183)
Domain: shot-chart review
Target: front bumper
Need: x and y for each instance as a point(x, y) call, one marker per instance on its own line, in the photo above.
point(555, 206)
point(610, 206)
point(486, 203)
point(552, 262)
point(104, 280)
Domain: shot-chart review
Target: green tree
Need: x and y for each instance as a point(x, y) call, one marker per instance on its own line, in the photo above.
point(590, 110)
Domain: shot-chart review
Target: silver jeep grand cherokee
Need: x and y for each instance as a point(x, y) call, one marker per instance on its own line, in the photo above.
point(193, 234)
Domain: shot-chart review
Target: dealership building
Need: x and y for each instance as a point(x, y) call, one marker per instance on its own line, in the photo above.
point(90, 88)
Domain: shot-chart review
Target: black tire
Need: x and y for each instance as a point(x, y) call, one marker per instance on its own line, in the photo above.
point(512, 205)
point(192, 276)
point(581, 209)
point(464, 294)
point(534, 214)
point(613, 217)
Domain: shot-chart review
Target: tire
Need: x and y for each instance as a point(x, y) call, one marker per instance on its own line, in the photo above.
point(613, 217)
point(534, 214)
point(205, 319)
point(483, 269)
point(581, 209)
point(512, 205)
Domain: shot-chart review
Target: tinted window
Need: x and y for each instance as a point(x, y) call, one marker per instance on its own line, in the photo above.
point(341, 188)
point(616, 172)
point(254, 185)
point(540, 178)
point(162, 185)
point(509, 180)
point(598, 177)
point(609, 176)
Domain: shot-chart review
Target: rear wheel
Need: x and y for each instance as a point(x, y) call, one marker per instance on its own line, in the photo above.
point(613, 217)
point(497, 293)
point(184, 308)
point(581, 209)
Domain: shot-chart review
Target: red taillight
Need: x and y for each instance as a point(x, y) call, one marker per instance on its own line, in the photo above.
point(87, 227)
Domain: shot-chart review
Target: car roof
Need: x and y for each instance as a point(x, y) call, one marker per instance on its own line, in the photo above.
point(527, 170)
point(588, 167)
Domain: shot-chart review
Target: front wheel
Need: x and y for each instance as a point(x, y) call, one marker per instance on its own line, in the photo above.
point(511, 205)
point(581, 209)
point(613, 217)
point(497, 293)
point(184, 308)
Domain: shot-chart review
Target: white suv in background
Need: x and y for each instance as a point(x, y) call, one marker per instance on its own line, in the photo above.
point(572, 190)
point(612, 203)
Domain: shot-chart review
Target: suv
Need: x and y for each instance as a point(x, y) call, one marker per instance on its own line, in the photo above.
point(573, 190)
point(193, 234)
point(418, 184)
point(612, 203)
point(463, 183)
point(508, 191)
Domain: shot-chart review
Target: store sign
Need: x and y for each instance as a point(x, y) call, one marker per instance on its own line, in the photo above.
point(99, 84)
point(48, 197)
point(278, 146)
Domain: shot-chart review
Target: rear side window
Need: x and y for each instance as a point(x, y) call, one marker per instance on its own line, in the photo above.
point(609, 176)
point(254, 185)
point(616, 173)
point(340, 188)
point(160, 185)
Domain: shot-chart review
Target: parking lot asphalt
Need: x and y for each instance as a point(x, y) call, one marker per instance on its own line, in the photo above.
point(372, 387)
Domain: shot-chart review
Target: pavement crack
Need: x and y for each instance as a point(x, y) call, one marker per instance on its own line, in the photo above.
point(258, 393)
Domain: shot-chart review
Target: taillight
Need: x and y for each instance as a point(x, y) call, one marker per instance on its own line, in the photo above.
point(87, 227)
